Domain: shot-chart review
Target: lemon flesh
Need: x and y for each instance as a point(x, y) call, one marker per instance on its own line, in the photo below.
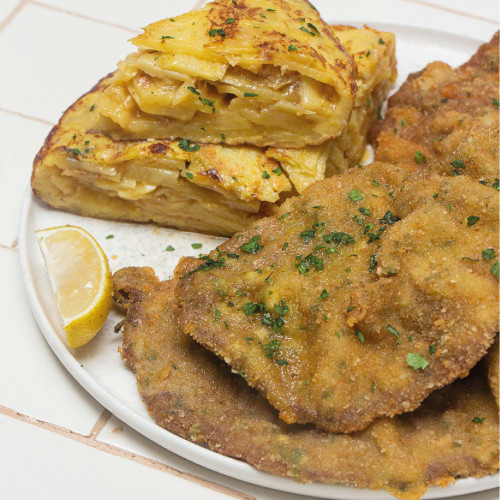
point(80, 278)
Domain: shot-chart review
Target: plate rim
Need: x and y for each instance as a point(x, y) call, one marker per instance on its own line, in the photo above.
point(204, 457)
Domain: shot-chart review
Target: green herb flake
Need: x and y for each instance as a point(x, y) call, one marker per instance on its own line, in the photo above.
point(364, 211)
point(458, 163)
point(185, 144)
point(170, 248)
point(381, 41)
point(495, 101)
point(360, 336)
point(284, 216)
point(110, 236)
point(189, 176)
point(285, 246)
point(196, 246)
point(392, 330)
point(311, 25)
point(403, 122)
point(249, 94)
point(308, 31)
point(420, 157)
point(193, 90)
point(389, 218)
point(323, 295)
point(230, 20)
point(207, 266)
point(92, 107)
point(435, 195)
point(75, 151)
point(478, 420)
point(292, 47)
point(494, 269)
point(252, 308)
point(217, 314)
point(373, 263)
point(218, 31)
point(496, 184)
point(368, 102)
point(165, 37)
point(489, 254)
point(472, 219)
point(339, 238)
point(278, 171)
point(432, 350)
point(355, 195)
point(252, 245)
point(307, 235)
point(282, 308)
point(415, 361)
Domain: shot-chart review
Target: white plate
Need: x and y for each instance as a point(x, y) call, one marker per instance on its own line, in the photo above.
point(99, 368)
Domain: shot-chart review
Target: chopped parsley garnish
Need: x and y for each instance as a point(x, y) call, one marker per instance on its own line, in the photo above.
point(207, 266)
point(311, 25)
point(323, 295)
point(403, 122)
point(230, 20)
point(472, 219)
point(375, 236)
point(489, 254)
point(265, 175)
point(196, 245)
point(339, 238)
point(189, 176)
point(252, 245)
point(308, 31)
point(495, 102)
point(284, 216)
point(277, 171)
point(355, 195)
point(164, 37)
point(364, 211)
point(435, 195)
point(496, 184)
point(110, 236)
point(368, 102)
point(478, 420)
point(271, 348)
point(217, 314)
point(432, 350)
point(494, 269)
point(170, 248)
point(416, 361)
point(193, 90)
point(379, 113)
point(218, 31)
point(373, 263)
point(252, 307)
point(92, 107)
point(458, 163)
point(271, 10)
point(315, 261)
point(392, 330)
point(207, 102)
point(419, 156)
point(292, 47)
point(75, 151)
point(360, 336)
point(250, 94)
point(186, 145)
point(282, 308)
point(381, 41)
point(389, 218)
point(308, 235)
point(285, 246)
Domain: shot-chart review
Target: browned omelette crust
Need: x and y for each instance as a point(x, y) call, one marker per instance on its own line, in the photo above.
point(441, 115)
point(339, 360)
point(193, 394)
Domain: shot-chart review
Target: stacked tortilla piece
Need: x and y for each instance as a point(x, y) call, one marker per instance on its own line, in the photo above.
point(218, 116)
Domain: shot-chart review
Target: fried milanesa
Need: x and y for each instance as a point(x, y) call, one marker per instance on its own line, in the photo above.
point(297, 305)
point(492, 367)
point(446, 118)
point(193, 394)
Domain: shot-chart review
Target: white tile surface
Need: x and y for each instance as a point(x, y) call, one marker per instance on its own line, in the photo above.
point(32, 380)
point(21, 140)
point(44, 465)
point(134, 15)
point(6, 7)
point(404, 12)
point(121, 435)
point(488, 9)
point(54, 58)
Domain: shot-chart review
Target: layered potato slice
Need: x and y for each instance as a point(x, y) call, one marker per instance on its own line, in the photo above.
point(213, 188)
point(259, 72)
point(374, 53)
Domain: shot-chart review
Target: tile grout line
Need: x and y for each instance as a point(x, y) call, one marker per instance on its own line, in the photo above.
point(453, 11)
point(81, 16)
point(27, 117)
point(120, 452)
point(99, 425)
point(13, 13)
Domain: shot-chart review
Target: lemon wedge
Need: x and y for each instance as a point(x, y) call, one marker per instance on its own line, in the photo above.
point(80, 279)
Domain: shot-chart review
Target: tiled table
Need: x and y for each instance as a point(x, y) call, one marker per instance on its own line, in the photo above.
point(56, 441)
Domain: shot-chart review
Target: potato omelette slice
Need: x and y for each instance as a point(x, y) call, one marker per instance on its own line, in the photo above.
point(259, 72)
point(190, 392)
point(357, 300)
